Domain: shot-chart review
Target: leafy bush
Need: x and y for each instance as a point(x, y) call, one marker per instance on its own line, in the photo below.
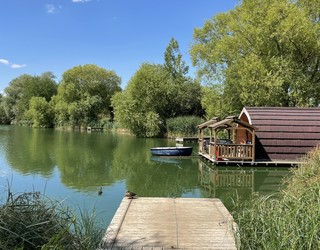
point(288, 219)
point(183, 126)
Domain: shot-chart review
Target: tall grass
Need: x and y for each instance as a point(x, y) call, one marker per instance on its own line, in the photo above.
point(32, 221)
point(183, 126)
point(289, 219)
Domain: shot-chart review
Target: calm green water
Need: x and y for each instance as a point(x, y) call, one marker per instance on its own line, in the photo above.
point(72, 166)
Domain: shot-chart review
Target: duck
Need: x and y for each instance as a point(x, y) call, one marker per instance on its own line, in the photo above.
point(100, 191)
point(130, 195)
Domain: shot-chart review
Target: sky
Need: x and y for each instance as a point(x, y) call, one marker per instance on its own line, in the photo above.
point(37, 36)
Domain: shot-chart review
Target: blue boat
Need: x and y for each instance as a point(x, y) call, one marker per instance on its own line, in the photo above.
point(171, 151)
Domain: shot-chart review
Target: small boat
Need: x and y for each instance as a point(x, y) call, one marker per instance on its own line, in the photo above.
point(171, 151)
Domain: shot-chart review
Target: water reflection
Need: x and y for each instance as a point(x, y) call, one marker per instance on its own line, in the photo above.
point(72, 166)
point(87, 161)
point(149, 177)
point(236, 182)
point(29, 154)
point(84, 160)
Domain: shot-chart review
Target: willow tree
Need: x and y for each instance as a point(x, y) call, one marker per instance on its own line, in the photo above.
point(84, 95)
point(22, 89)
point(262, 53)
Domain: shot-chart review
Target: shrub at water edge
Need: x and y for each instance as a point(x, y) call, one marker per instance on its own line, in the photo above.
point(288, 219)
point(183, 126)
point(32, 221)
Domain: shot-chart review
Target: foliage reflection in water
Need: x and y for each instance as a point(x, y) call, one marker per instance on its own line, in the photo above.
point(72, 166)
point(236, 183)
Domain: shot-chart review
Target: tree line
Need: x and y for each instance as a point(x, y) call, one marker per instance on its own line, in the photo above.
point(262, 53)
point(82, 96)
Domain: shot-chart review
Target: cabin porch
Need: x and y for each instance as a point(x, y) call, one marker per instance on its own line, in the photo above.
point(229, 140)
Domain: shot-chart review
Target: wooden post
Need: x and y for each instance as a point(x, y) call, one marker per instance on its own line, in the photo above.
point(233, 136)
point(210, 140)
point(200, 140)
point(215, 144)
point(253, 145)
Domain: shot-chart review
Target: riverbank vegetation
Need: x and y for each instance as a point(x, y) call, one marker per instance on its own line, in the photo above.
point(261, 53)
point(32, 221)
point(288, 219)
point(183, 126)
point(82, 97)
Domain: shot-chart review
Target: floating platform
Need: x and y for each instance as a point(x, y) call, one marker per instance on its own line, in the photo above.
point(94, 129)
point(275, 163)
point(171, 223)
point(189, 139)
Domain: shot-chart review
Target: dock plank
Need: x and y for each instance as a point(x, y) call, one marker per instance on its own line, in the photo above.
point(171, 223)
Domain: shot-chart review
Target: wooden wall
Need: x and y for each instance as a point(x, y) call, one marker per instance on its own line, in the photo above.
point(283, 133)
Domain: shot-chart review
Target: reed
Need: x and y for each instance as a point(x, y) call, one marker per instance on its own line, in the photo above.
point(288, 219)
point(32, 221)
point(183, 126)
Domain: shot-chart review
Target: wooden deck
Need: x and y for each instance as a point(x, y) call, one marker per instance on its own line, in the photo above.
point(280, 163)
point(94, 129)
point(171, 223)
point(189, 139)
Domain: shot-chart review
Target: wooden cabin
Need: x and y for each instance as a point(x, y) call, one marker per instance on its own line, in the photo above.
point(283, 133)
point(231, 139)
point(278, 135)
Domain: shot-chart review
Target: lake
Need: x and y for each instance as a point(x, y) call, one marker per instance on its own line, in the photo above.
point(71, 167)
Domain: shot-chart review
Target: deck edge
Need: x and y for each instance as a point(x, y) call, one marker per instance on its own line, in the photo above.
point(114, 227)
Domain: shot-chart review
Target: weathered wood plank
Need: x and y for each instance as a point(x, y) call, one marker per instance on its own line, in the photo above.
point(169, 223)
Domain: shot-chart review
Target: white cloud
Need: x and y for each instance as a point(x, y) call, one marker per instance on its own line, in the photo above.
point(51, 8)
point(4, 61)
point(12, 65)
point(17, 66)
point(80, 1)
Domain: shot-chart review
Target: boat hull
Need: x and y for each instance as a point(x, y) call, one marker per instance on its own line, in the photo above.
point(171, 151)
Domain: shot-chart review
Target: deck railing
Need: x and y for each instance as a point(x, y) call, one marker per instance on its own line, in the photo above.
point(232, 151)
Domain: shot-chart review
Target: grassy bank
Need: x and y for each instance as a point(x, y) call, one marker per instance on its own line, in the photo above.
point(289, 219)
point(32, 221)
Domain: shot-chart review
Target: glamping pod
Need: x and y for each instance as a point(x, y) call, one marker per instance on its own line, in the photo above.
point(283, 133)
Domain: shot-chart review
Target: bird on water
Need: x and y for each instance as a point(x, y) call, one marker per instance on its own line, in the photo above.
point(130, 195)
point(100, 191)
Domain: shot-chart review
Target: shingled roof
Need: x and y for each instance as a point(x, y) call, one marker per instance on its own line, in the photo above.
point(283, 133)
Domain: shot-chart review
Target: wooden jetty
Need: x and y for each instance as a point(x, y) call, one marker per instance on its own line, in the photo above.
point(239, 162)
point(189, 139)
point(171, 223)
point(94, 129)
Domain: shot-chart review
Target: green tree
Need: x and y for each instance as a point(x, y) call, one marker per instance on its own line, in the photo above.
point(22, 89)
point(3, 116)
point(185, 92)
point(211, 101)
point(84, 94)
point(263, 53)
point(151, 97)
point(40, 113)
point(147, 91)
point(158, 92)
point(173, 62)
